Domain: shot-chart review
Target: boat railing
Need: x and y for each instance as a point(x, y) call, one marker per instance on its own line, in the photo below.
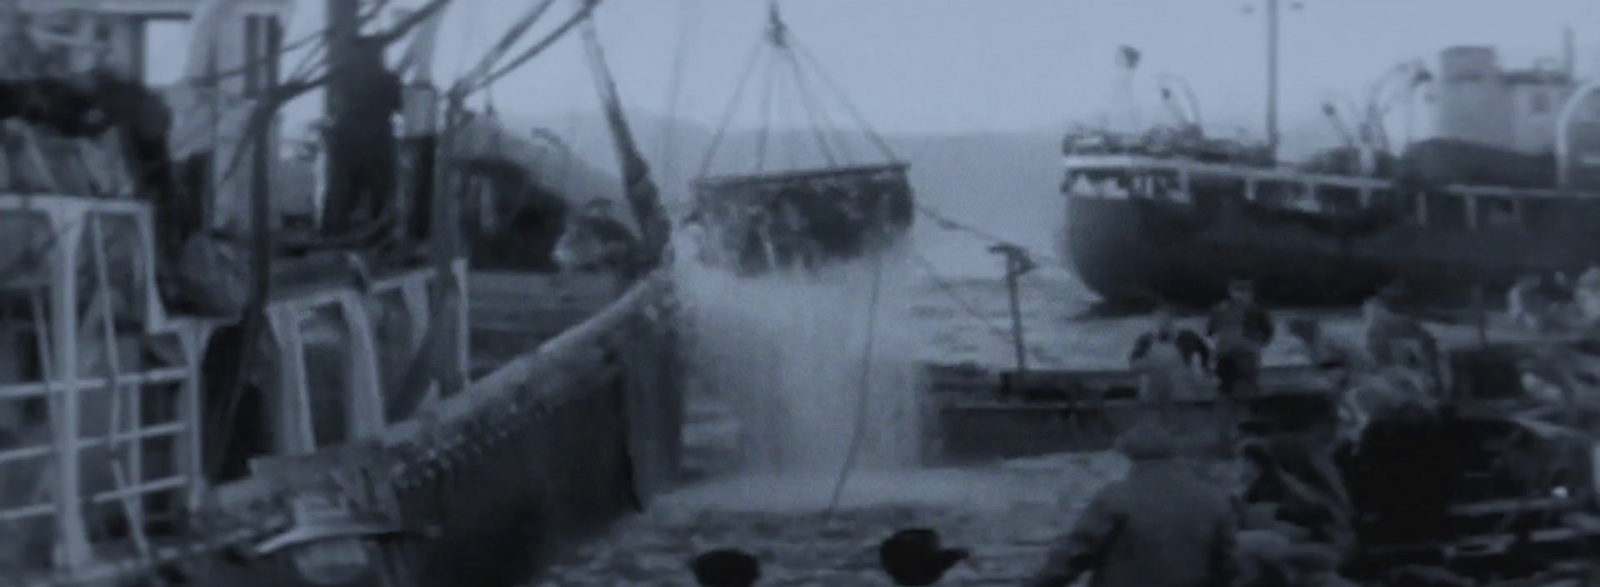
point(98, 395)
point(551, 427)
point(1178, 180)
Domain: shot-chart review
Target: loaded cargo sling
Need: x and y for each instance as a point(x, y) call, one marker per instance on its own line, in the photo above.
point(832, 211)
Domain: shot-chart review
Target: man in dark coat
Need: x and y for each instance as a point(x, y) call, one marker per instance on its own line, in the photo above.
point(362, 143)
point(1240, 329)
point(1191, 347)
point(1162, 526)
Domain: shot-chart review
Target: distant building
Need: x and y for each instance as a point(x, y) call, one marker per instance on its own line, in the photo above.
point(1478, 101)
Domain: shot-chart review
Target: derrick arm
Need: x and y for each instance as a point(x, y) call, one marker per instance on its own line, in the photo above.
point(643, 196)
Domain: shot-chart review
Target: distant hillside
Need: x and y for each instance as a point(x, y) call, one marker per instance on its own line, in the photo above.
point(1004, 184)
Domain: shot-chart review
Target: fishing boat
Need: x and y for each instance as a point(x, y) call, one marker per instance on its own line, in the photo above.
point(293, 407)
point(1507, 188)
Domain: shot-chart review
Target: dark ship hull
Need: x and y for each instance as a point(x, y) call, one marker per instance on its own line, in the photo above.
point(1435, 245)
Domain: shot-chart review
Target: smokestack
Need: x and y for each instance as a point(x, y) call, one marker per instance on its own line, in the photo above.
point(1568, 57)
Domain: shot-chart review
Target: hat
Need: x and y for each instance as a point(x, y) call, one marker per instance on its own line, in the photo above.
point(725, 567)
point(1147, 441)
point(915, 556)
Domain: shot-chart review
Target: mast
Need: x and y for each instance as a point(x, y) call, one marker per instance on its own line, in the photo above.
point(343, 27)
point(1272, 78)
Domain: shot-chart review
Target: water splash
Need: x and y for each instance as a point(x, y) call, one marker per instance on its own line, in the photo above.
point(788, 352)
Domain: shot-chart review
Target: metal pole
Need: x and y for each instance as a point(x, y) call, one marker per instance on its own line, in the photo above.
point(1272, 77)
point(1017, 264)
point(343, 28)
point(1410, 115)
point(1018, 342)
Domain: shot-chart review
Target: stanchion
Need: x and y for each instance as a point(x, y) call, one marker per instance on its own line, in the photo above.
point(1018, 263)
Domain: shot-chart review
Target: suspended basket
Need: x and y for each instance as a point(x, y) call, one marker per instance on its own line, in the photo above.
point(841, 210)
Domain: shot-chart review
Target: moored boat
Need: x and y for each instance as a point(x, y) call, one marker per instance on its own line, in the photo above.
point(313, 418)
point(1508, 188)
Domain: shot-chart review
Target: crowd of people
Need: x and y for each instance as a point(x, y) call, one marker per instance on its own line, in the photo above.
point(1288, 517)
point(1279, 515)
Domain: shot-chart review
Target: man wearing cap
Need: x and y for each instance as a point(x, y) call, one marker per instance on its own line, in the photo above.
point(1240, 329)
point(1161, 526)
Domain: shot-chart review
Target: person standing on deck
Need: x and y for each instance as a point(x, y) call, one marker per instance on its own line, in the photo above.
point(1161, 526)
point(1170, 361)
point(361, 140)
point(1240, 330)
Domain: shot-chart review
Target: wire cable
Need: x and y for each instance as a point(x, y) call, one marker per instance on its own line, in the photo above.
point(862, 398)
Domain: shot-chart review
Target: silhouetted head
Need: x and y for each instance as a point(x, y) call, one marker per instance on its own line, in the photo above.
point(914, 556)
point(1242, 291)
point(1164, 318)
point(725, 567)
point(1147, 441)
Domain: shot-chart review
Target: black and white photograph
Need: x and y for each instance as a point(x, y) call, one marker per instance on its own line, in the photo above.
point(799, 293)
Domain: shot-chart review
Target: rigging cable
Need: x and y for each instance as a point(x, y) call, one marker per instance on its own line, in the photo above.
point(843, 99)
point(865, 387)
point(945, 222)
point(764, 132)
point(532, 51)
point(680, 56)
point(514, 33)
point(949, 289)
point(814, 110)
point(733, 106)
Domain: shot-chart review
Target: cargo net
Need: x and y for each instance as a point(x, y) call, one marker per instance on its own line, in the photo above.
point(826, 207)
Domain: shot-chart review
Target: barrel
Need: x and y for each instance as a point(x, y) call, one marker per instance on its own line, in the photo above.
point(755, 224)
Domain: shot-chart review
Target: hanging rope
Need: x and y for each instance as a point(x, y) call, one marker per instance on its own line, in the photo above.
point(863, 398)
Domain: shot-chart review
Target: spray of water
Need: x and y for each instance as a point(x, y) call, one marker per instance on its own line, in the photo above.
point(788, 351)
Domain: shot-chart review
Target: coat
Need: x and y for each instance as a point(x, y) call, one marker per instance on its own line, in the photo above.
point(1168, 366)
point(1240, 327)
point(1162, 526)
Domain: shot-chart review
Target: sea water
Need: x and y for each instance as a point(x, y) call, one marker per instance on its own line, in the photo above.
point(813, 364)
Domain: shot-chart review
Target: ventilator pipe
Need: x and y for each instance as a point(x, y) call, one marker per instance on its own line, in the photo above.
point(1563, 129)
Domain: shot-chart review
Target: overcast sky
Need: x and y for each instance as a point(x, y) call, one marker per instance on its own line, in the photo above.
point(974, 65)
